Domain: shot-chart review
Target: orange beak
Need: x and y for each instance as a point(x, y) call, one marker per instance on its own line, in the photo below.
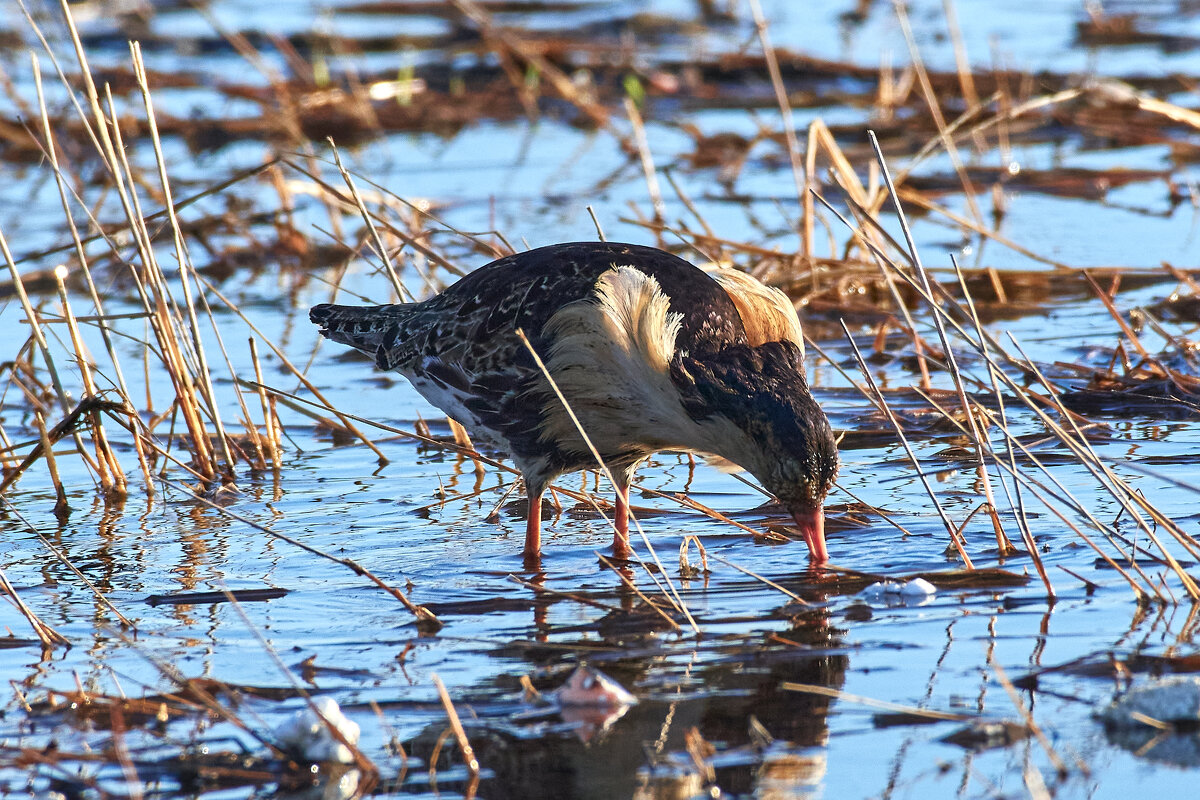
point(812, 525)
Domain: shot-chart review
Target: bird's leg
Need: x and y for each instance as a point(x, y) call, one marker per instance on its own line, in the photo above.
point(621, 547)
point(533, 522)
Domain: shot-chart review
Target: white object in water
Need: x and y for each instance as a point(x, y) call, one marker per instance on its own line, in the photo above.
point(899, 591)
point(592, 688)
point(918, 587)
point(307, 736)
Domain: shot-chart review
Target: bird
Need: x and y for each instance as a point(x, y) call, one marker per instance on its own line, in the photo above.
point(650, 353)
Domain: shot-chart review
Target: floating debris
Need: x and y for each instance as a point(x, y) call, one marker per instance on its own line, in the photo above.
point(591, 688)
point(208, 598)
point(309, 736)
point(917, 590)
point(591, 701)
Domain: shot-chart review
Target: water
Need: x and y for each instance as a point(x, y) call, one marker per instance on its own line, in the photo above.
point(532, 182)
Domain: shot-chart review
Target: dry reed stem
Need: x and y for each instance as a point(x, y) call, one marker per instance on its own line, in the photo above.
point(993, 369)
point(67, 425)
point(156, 299)
point(462, 438)
point(248, 422)
point(884, 705)
point(961, 63)
point(935, 111)
point(389, 269)
point(51, 152)
point(927, 292)
point(1063, 495)
point(45, 634)
point(271, 422)
point(85, 71)
point(801, 178)
point(472, 764)
point(154, 293)
point(765, 581)
point(596, 221)
point(858, 197)
point(61, 506)
point(915, 256)
point(1111, 307)
point(112, 478)
point(882, 262)
point(151, 288)
point(132, 423)
point(202, 374)
point(886, 516)
point(1090, 585)
point(7, 450)
point(685, 567)
point(1108, 479)
point(807, 211)
point(120, 752)
point(950, 527)
point(158, 216)
point(686, 200)
point(647, 160)
point(981, 444)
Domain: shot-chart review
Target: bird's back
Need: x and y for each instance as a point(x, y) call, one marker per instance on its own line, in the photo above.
point(472, 323)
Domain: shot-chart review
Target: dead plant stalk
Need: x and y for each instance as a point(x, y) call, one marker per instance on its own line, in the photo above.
point(951, 529)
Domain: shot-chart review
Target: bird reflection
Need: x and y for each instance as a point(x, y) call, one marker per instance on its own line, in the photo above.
point(727, 700)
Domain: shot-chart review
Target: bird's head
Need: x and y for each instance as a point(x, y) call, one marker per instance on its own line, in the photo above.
point(755, 404)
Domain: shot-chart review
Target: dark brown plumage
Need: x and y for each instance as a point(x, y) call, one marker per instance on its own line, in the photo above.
point(651, 352)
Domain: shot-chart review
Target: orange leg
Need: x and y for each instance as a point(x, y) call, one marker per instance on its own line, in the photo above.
point(533, 525)
point(621, 547)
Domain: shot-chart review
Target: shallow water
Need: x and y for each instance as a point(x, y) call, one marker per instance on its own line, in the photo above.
point(532, 182)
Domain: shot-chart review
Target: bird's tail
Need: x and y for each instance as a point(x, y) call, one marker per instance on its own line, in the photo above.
point(370, 329)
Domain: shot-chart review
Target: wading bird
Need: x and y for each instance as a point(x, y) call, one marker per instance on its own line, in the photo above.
point(650, 352)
